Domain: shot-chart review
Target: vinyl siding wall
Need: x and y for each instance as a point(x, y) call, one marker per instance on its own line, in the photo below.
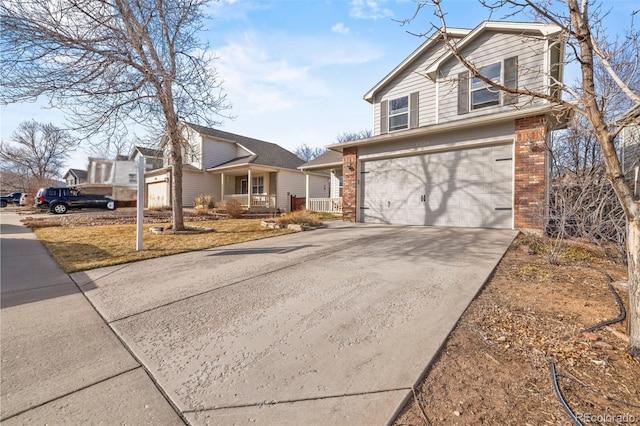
point(289, 182)
point(490, 48)
point(197, 183)
point(215, 152)
point(335, 186)
point(412, 80)
point(489, 134)
point(319, 186)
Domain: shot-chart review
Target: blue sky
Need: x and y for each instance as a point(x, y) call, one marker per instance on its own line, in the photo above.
point(295, 71)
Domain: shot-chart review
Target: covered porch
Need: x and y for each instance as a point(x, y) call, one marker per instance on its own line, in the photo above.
point(330, 161)
point(255, 187)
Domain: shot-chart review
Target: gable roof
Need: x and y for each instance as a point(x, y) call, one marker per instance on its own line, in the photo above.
point(80, 174)
point(544, 30)
point(262, 153)
point(329, 158)
point(147, 152)
point(466, 36)
point(432, 41)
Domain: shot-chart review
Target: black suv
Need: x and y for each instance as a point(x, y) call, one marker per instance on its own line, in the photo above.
point(59, 200)
point(15, 198)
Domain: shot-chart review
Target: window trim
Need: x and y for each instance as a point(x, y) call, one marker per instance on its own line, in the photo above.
point(257, 184)
point(483, 87)
point(405, 111)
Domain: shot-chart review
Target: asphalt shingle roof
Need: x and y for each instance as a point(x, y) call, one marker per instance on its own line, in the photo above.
point(329, 157)
point(149, 152)
point(79, 173)
point(265, 153)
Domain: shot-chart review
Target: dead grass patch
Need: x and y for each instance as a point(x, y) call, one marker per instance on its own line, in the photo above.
point(300, 217)
point(80, 248)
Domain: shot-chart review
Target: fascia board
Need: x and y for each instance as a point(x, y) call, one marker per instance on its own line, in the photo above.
point(545, 30)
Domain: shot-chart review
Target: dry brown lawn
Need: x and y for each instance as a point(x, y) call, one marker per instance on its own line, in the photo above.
point(77, 248)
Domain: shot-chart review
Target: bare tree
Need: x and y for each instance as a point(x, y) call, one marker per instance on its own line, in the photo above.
point(112, 64)
point(598, 58)
point(353, 136)
point(307, 153)
point(37, 153)
point(582, 202)
point(113, 147)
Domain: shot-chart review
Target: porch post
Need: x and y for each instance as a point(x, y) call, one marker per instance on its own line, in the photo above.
point(222, 179)
point(306, 199)
point(249, 185)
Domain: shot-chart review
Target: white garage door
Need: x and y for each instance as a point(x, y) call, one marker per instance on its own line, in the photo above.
point(467, 188)
point(157, 194)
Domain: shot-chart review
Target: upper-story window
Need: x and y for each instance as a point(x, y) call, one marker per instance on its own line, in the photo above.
point(399, 113)
point(473, 93)
point(483, 95)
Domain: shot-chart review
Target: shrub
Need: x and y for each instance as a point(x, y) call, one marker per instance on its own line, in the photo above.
point(203, 203)
point(233, 208)
point(300, 217)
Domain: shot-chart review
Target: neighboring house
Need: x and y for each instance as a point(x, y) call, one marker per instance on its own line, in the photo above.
point(75, 177)
point(331, 161)
point(449, 151)
point(153, 158)
point(115, 178)
point(260, 175)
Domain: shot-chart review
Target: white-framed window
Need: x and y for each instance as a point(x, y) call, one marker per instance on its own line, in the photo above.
point(244, 188)
point(340, 181)
point(133, 178)
point(399, 113)
point(482, 95)
point(474, 94)
point(257, 185)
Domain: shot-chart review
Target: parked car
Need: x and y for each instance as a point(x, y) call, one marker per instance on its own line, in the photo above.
point(15, 198)
point(60, 200)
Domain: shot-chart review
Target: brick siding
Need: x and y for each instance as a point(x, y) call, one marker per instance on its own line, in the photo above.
point(349, 183)
point(530, 197)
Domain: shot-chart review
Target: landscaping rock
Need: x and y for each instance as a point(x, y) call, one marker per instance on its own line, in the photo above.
point(156, 229)
point(590, 336)
point(603, 345)
point(297, 227)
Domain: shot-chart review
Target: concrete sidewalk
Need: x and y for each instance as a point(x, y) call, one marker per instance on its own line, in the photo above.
point(61, 363)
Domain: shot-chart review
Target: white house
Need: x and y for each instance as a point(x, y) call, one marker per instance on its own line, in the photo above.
point(261, 175)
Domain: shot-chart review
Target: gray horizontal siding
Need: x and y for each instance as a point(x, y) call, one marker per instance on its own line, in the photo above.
point(493, 133)
point(196, 183)
point(487, 49)
point(215, 153)
point(409, 81)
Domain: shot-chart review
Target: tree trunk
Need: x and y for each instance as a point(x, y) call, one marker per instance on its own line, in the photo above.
point(175, 141)
point(633, 256)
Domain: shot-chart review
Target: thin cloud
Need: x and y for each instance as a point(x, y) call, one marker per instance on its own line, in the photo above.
point(340, 28)
point(368, 9)
point(267, 72)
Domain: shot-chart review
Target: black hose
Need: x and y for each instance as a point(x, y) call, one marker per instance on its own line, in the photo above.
point(566, 407)
point(623, 311)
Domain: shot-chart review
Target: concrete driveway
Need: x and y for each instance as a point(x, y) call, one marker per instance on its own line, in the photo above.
point(332, 326)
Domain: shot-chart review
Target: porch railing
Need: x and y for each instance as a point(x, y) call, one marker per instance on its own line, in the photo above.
point(327, 205)
point(268, 201)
